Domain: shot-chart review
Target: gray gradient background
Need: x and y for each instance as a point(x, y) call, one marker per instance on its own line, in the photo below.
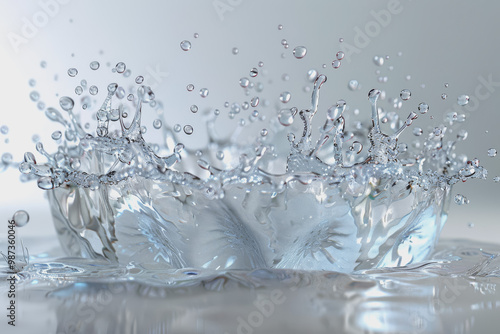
point(441, 41)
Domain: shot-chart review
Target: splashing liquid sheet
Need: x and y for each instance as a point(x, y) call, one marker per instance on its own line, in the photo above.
point(353, 199)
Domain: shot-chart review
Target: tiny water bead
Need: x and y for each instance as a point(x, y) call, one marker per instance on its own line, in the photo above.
point(496, 179)
point(139, 79)
point(72, 72)
point(34, 96)
point(244, 82)
point(21, 218)
point(6, 158)
point(120, 67)
point(157, 123)
point(378, 60)
point(194, 109)
point(280, 27)
point(492, 152)
point(461, 199)
point(300, 52)
point(286, 116)
point(417, 131)
point(463, 100)
point(94, 65)
point(353, 85)
point(204, 92)
point(32, 82)
point(219, 155)
point(264, 132)
point(405, 94)
point(340, 55)
point(235, 51)
point(188, 129)
point(312, 75)
point(335, 64)
point(444, 96)
point(341, 40)
point(78, 90)
point(254, 102)
point(93, 90)
point(190, 87)
point(185, 45)
point(4, 129)
point(261, 63)
point(254, 72)
point(130, 97)
point(423, 107)
point(196, 35)
point(285, 97)
point(56, 135)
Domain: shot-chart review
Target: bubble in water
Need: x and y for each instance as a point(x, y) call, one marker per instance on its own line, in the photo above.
point(56, 135)
point(463, 100)
point(72, 72)
point(34, 96)
point(235, 51)
point(78, 90)
point(186, 45)
point(300, 52)
point(139, 79)
point(461, 199)
point(285, 97)
point(66, 103)
point(4, 129)
point(190, 87)
point(157, 123)
point(312, 75)
point(120, 67)
point(220, 155)
point(280, 27)
point(423, 107)
point(379, 61)
point(254, 72)
point(405, 94)
point(492, 152)
point(244, 82)
point(340, 55)
point(353, 84)
point(188, 129)
point(194, 108)
point(204, 92)
point(444, 96)
point(336, 64)
point(93, 90)
point(21, 218)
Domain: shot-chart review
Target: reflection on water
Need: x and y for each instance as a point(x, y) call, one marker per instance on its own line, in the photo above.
point(453, 292)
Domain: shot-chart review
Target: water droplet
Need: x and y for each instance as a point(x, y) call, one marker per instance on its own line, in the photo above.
point(139, 79)
point(463, 100)
point(120, 67)
point(4, 129)
point(336, 63)
point(177, 128)
point(462, 134)
point(190, 87)
point(341, 40)
point(216, 112)
point(492, 152)
point(405, 94)
point(284, 42)
point(379, 61)
point(220, 155)
point(21, 218)
point(6, 158)
point(286, 116)
point(470, 225)
point(66, 103)
point(56, 135)
point(32, 82)
point(408, 77)
point(312, 75)
point(244, 82)
point(186, 45)
point(72, 72)
point(353, 84)
point(34, 96)
point(130, 97)
point(285, 97)
point(78, 90)
point(235, 51)
point(264, 132)
point(43, 64)
point(94, 65)
point(204, 92)
point(157, 123)
point(300, 52)
point(446, 85)
point(340, 55)
point(40, 105)
point(444, 96)
point(254, 102)
point(423, 107)
point(93, 90)
point(280, 27)
point(254, 72)
point(194, 109)
point(461, 199)
point(261, 63)
point(196, 35)
point(496, 179)
point(188, 129)
point(417, 131)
